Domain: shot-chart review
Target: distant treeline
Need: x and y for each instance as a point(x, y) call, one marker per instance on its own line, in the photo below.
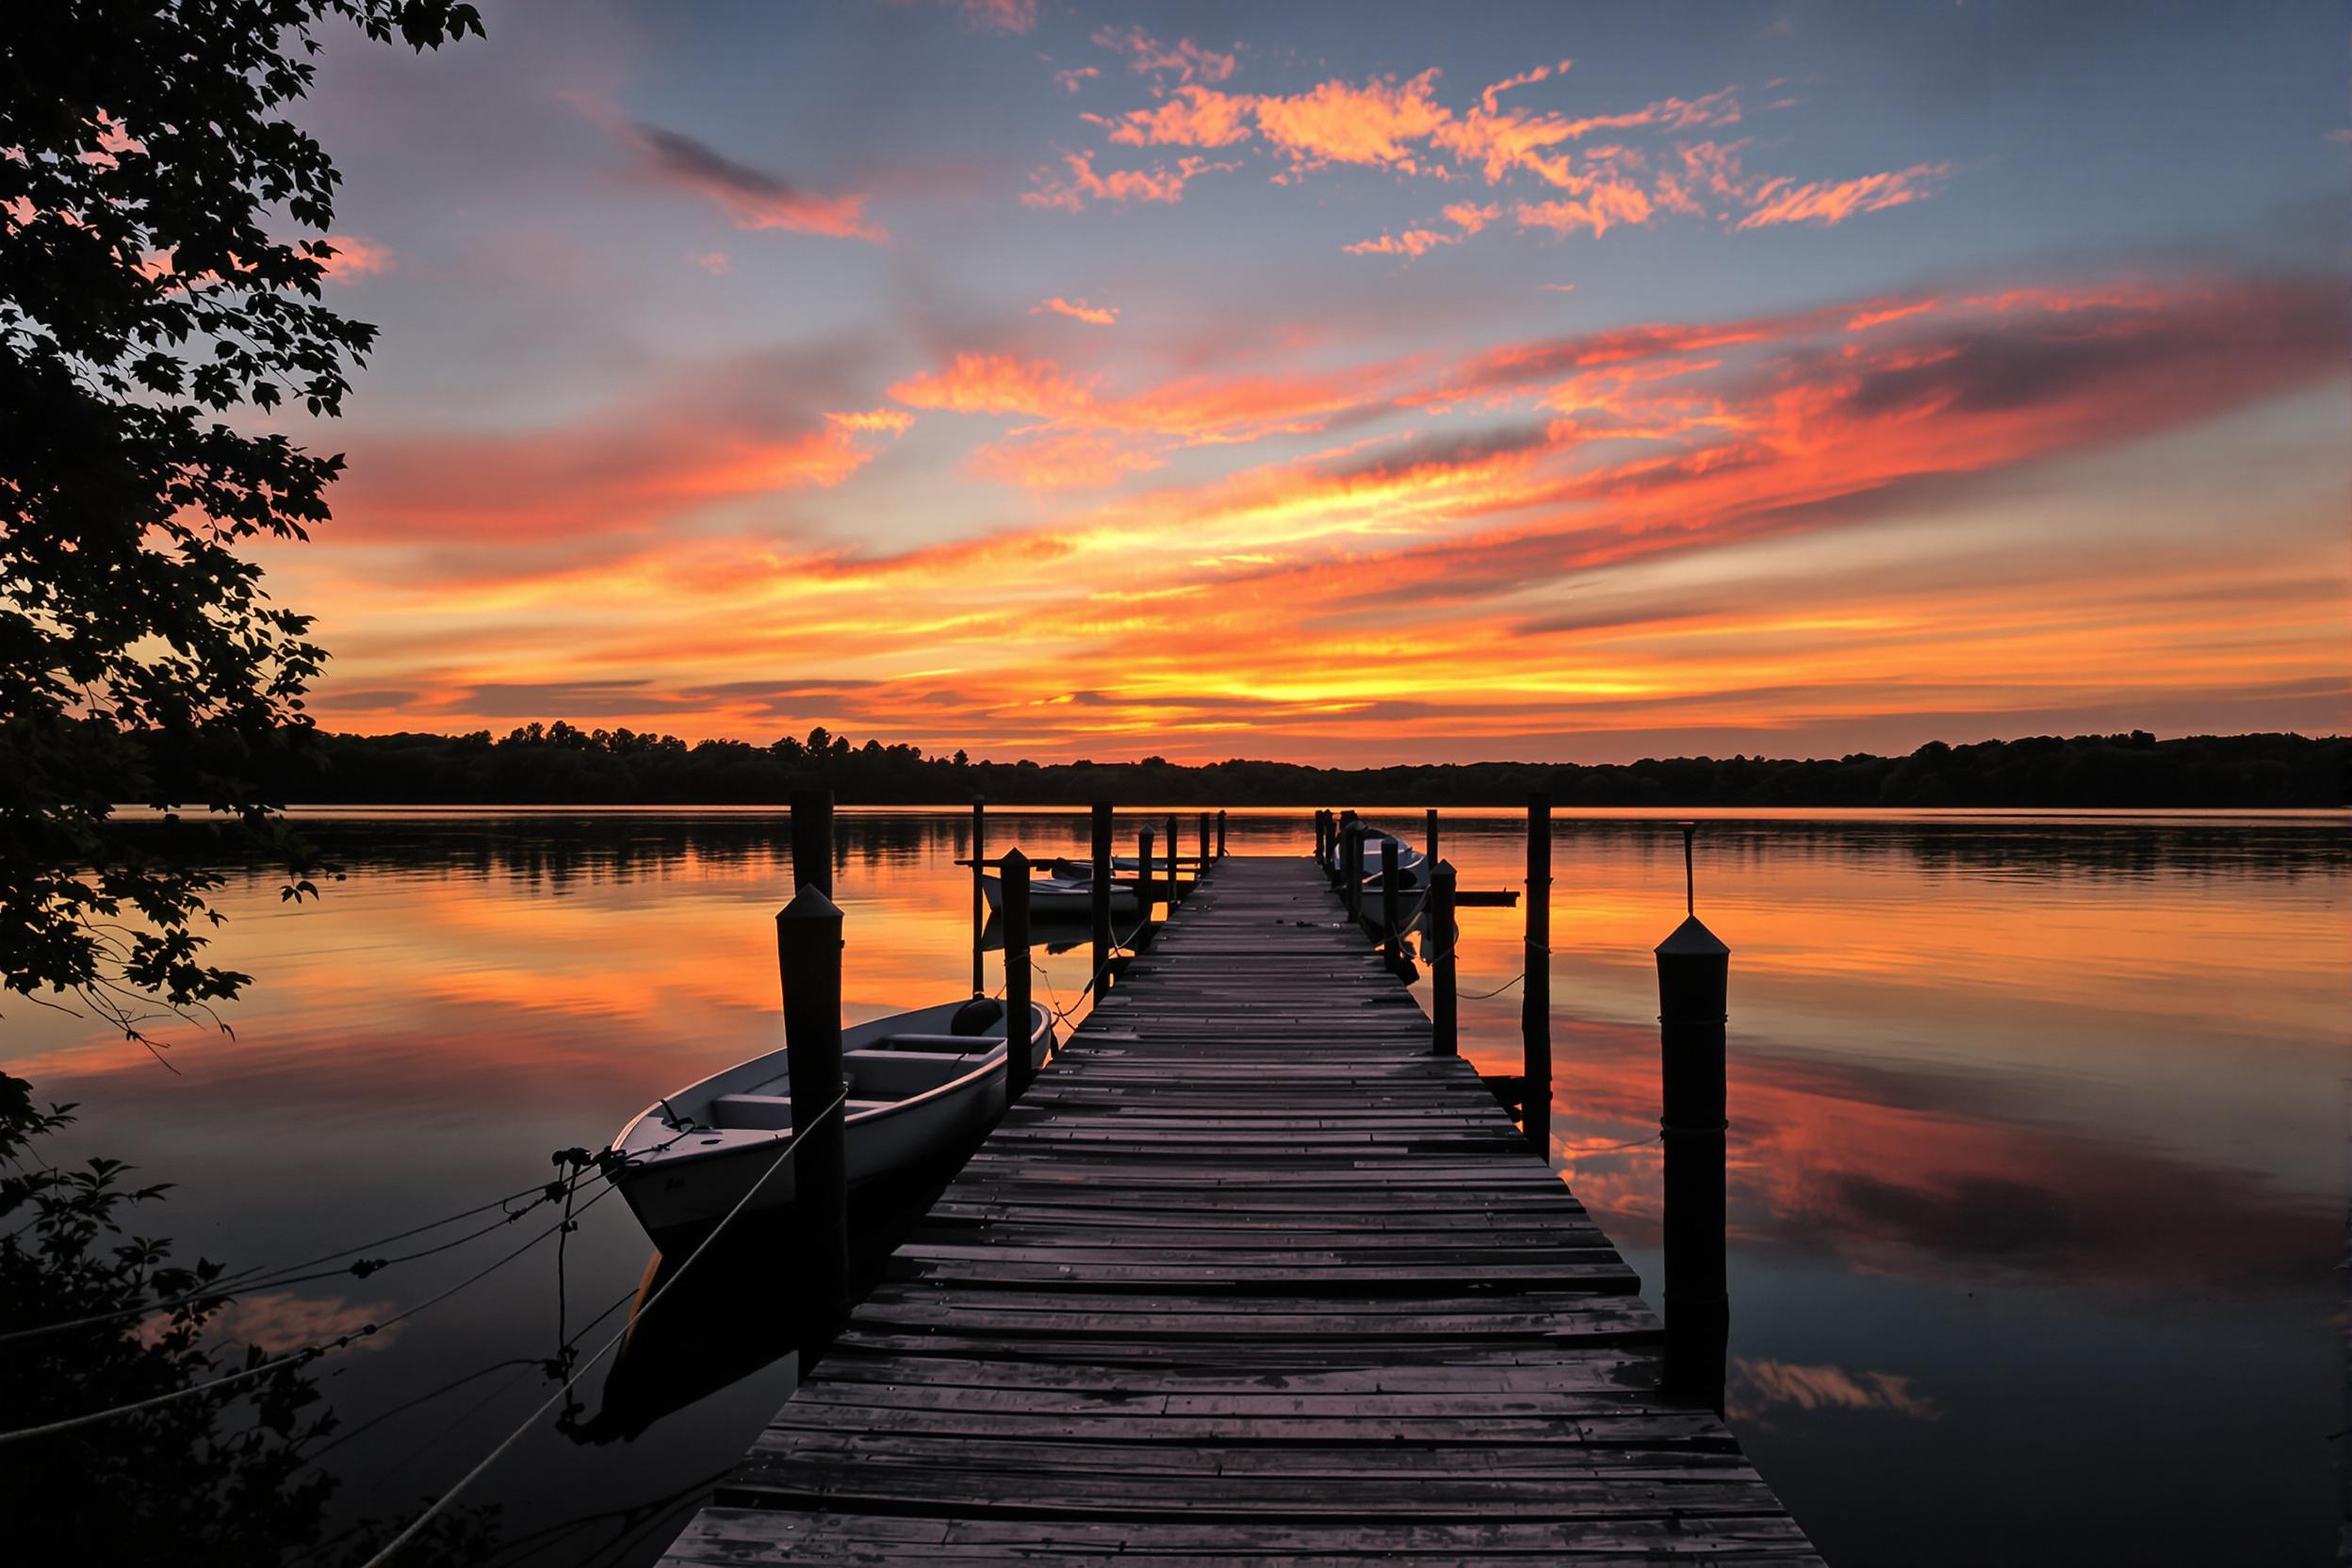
point(560, 764)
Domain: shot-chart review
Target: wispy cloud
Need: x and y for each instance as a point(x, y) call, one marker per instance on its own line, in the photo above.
point(1185, 59)
point(752, 198)
point(1077, 310)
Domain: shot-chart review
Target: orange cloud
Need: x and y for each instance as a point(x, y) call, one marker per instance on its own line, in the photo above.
point(1620, 529)
point(1334, 121)
point(1077, 310)
point(1071, 80)
point(1193, 116)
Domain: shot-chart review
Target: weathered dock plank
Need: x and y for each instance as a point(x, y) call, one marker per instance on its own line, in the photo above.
point(1249, 1276)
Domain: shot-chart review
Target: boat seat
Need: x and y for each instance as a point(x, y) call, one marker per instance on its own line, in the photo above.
point(772, 1112)
point(900, 1074)
point(952, 1044)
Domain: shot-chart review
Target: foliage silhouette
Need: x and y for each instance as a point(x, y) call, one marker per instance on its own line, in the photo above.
point(561, 764)
point(224, 1476)
point(144, 302)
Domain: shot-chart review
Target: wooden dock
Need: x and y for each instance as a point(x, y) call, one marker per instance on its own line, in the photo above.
point(1250, 1275)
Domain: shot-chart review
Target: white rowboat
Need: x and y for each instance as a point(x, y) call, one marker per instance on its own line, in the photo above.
point(917, 1085)
point(1061, 894)
point(1409, 859)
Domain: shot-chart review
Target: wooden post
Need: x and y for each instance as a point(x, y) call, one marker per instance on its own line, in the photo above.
point(1693, 981)
point(1323, 841)
point(1392, 938)
point(809, 961)
point(1220, 832)
point(1101, 895)
point(1438, 947)
point(1535, 991)
point(979, 896)
point(1172, 862)
point(1146, 871)
point(1013, 904)
point(1428, 849)
point(1199, 870)
point(1353, 852)
point(812, 840)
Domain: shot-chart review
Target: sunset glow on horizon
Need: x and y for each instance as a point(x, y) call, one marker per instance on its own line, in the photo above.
point(1341, 384)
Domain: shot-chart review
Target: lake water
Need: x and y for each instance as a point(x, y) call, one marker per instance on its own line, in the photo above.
point(2038, 1142)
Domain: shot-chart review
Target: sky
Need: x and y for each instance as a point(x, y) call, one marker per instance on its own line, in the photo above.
point(1351, 383)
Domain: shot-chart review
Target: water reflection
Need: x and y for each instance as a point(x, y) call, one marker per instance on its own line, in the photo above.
point(2037, 1140)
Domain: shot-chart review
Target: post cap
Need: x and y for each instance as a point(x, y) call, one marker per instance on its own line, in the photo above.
point(1692, 940)
point(1015, 861)
point(809, 903)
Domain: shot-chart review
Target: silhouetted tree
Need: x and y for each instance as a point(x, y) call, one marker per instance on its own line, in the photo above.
point(144, 300)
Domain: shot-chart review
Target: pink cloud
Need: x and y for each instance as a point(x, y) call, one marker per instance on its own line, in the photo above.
point(1083, 185)
point(357, 256)
point(1828, 201)
point(1147, 55)
point(1077, 310)
point(1007, 16)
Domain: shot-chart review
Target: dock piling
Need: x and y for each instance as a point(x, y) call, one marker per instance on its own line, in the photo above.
point(979, 897)
point(812, 840)
point(1220, 833)
point(1202, 864)
point(1353, 842)
point(1693, 982)
point(1392, 934)
point(1172, 862)
point(1429, 850)
point(1438, 947)
point(808, 963)
point(1014, 906)
point(1100, 894)
point(1146, 871)
point(1535, 991)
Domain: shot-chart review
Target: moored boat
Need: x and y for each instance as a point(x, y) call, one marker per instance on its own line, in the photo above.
point(918, 1082)
point(1409, 859)
point(1060, 894)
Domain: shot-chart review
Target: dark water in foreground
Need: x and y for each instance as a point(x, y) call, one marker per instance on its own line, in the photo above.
point(2039, 1145)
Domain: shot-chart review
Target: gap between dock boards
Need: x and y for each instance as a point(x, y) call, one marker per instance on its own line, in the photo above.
point(1250, 1275)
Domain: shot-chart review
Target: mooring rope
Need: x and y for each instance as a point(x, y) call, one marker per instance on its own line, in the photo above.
point(245, 1281)
point(783, 1156)
point(307, 1353)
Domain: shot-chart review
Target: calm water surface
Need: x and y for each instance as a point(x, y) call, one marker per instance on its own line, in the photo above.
point(2039, 1159)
